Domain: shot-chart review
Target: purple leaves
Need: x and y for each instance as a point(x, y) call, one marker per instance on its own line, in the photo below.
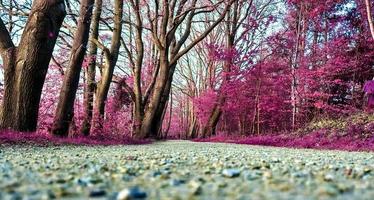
point(369, 87)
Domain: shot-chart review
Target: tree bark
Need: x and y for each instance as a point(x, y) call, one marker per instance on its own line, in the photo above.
point(111, 60)
point(158, 118)
point(64, 111)
point(157, 102)
point(369, 17)
point(210, 127)
point(26, 66)
point(91, 70)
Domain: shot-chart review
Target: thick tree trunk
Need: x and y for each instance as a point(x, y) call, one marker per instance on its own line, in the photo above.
point(193, 126)
point(91, 70)
point(137, 121)
point(152, 126)
point(153, 113)
point(8, 53)
point(64, 112)
point(159, 116)
point(170, 105)
point(210, 127)
point(26, 66)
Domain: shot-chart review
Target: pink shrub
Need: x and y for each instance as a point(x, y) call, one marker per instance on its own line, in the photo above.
point(322, 139)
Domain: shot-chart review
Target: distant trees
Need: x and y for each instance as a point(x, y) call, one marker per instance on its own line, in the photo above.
point(169, 25)
point(223, 57)
point(314, 65)
point(25, 66)
point(238, 14)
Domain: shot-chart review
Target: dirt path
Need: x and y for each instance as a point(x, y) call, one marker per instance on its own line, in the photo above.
point(184, 170)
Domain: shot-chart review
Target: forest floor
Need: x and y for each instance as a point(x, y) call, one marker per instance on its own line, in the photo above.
point(183, 170)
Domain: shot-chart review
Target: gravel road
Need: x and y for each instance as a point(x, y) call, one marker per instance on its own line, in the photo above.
point(183, 170)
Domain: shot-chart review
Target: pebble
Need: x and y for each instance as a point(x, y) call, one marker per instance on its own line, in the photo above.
point(231, 173)
point(175, 182)
point(328, 177)
point(131, 193)
point(196, 187)
point(97, 193)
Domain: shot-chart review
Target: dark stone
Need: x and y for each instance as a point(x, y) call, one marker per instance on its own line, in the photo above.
point(97, 193)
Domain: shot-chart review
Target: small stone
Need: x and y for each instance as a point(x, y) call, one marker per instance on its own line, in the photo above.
point(231, 173)
point(97, 193)
point(348, 171)
point(252, 176)
point(275, 160)
point(196, 187)
point(328, 177)
point(155, 173)
point(131, 193)
point(222, 184)
point(175, 182)
point(82, 182)
point(267, 174)
point(329, 190)
point(299, 174)
point(16, 196)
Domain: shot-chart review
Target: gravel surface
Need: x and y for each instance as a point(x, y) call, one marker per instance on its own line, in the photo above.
point(183, 170)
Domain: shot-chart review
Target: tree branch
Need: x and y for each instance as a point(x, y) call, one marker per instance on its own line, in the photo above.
point(202, 36)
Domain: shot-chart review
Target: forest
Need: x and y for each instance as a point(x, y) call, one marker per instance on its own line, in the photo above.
point(184, 69)
point(180, 74)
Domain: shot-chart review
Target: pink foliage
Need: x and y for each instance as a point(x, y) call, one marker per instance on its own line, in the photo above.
point(322, 139)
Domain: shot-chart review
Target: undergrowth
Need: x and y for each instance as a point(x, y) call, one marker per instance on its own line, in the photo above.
point(354, 133)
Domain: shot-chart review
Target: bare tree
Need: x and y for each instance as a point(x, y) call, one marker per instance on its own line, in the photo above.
point(232, 25)
point(169, 18)
point(111, 57)
point(91, 69)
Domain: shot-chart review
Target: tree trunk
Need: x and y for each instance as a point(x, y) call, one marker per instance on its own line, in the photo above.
point(91, 70)
point(210, 127)
point(64, 112)
point(111, 60)
point(153, 113)
point(26, 66)
point(164, 135)
point(159, 115)
point(193, 128)
point(369, 17)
